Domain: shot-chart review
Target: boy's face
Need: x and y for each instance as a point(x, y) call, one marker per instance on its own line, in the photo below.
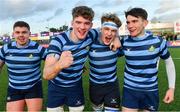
point(108, 34)
point(136, 25)
point(21, 35)
point(81, 26)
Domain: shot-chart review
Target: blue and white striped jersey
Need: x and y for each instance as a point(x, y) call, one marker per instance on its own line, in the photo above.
point(23, 64)
point(142, 54)
point(102, 62)
point(71, 76)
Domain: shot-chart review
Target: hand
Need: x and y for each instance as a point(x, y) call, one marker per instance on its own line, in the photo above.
point(169, 97)
point(66, 59)
point(115, 44)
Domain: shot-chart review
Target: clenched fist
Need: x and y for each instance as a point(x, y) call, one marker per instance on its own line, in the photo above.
point(66, 59)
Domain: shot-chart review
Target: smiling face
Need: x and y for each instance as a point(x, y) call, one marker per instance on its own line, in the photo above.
point(136, 25)
point(108, 34)
point(110, 24)
point(21, 35)
point(81, 27)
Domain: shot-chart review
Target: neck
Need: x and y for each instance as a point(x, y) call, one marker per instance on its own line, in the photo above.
point(73, 36)
point(22, 46)
point(141, 34)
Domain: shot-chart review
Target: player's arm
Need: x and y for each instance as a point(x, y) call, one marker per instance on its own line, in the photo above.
point(171, 74)
point(1, 65)
point(55, 64)
point(115, 44)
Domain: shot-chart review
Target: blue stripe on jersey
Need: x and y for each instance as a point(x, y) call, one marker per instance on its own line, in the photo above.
point(101, 58)
point(29, 61)
point(23, 64)
point(105, 61)
point(142, 80)
point(147, 75)
point(154, 65)
point(141, 61)
point(71, 76)
point(26, 78)
point(102, 63)
point(102, 66)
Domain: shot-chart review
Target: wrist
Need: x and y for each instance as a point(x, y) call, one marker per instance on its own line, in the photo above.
point(58, 66)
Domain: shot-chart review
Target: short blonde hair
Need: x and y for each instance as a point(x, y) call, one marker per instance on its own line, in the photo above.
point(112, 18)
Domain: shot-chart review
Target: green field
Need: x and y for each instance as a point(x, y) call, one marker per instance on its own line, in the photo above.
point(175, 106)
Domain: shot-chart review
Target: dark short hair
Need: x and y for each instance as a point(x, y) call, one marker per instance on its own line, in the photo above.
point(84, 11)
point(137, 12)
point(21, 24)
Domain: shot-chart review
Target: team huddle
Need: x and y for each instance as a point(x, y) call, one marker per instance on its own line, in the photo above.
point(65, 59)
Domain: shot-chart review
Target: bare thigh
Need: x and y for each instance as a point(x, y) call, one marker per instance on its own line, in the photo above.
point(15, 106)
point(124, 109)
point(34, 104)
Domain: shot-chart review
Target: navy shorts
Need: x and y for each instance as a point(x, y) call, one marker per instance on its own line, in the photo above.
point(107, 94)
point(18, 94)
point(70, 96)
point(148, 100)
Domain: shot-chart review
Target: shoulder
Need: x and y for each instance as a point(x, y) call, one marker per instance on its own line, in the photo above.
point(157, 38)
point(8, 46)
point(33, 44)
point(62, 37)
point(94, 33)
point(124, 38)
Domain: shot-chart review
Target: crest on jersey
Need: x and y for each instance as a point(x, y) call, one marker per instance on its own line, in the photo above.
point(151, 49)
point(30, 56)
point(94, 51)
point(128, 49)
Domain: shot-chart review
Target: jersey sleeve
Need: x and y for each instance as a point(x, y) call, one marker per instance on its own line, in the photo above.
point(164, 53)
point(43, 52)
point(55, 46)
point(94, 34)
point(2, 52)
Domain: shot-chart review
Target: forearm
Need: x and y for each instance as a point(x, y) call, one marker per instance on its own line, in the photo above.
point(52, 71)
point(1, 65)
point(115, 44)
point(54, 65)
point(171, 74)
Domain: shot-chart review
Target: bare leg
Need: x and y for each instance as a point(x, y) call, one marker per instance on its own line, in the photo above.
point(124, 109)
point(34, 104)
point(15, 106)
